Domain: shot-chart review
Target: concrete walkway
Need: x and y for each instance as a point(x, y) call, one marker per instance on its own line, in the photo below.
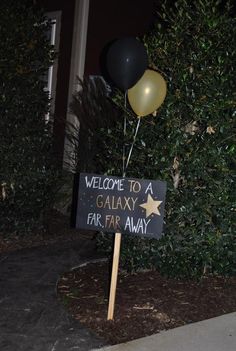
point(216, 334)
point(31, 318)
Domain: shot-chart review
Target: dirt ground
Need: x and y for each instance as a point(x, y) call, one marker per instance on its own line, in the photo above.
point(146, 302)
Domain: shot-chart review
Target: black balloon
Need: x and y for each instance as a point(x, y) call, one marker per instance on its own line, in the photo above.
point(126, 62)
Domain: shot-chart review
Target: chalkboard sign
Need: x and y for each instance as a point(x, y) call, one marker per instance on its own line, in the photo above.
point(125, 205)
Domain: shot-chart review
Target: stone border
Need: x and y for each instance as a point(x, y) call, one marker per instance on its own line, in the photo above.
point(84, 264)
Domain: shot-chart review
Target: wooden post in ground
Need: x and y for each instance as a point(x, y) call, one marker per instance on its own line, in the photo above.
point(114, 274)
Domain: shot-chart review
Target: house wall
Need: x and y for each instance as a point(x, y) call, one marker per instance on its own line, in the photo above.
point(108, 20)
point(112, 19)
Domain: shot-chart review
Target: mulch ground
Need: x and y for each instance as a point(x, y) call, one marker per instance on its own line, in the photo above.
point(146, 302)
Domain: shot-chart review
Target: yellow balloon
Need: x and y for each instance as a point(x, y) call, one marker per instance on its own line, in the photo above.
point(148, 93)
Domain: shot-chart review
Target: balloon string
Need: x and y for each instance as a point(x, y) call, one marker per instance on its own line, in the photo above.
point(125, 119)
point(132, 146)
point(124, 133)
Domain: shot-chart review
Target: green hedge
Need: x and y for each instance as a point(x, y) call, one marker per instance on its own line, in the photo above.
point(26, 171)
point(190, 143)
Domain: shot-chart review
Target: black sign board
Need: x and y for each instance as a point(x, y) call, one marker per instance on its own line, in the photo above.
point(125, 205)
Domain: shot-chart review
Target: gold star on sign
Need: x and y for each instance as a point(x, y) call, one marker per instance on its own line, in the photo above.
point(151, 206)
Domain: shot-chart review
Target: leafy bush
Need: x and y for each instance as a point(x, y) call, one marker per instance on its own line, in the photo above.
point(190, 143)
point(26, 170)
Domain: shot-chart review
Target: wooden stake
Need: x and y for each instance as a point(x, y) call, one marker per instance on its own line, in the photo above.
point(115, 266)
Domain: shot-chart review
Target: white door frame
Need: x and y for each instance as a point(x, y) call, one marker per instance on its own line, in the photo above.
point(55, 17)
